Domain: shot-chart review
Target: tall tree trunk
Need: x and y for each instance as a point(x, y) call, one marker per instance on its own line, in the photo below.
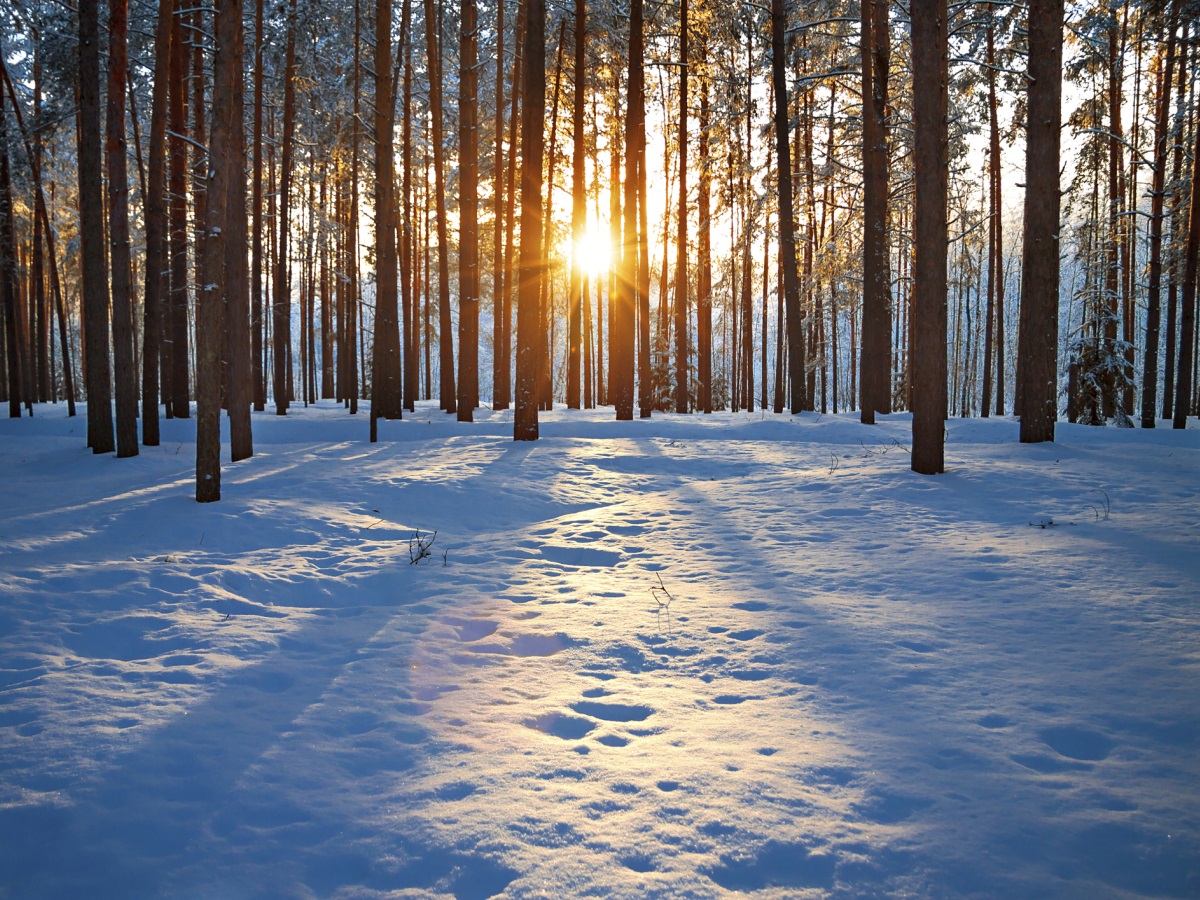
point(39, 358)
point(225, 295)
point(876, 308)
point(256, 241)
point(545, 302)
point(681, 267)
point(468, 206)
point(787, 217)
point(387, 397)
point(704, 248)
point(229, 151)
point(1174, 272)
point(503, 388)
point(175, 363)
point(499, 269)
point(97, 374)
point(446, 388)
point(930, 100)
point(329, 212)
point(1187, 317)
point(1037, 366)
point(351, 388)
point(8, 270)
point(993, 260)
point(157, 280)
point(525, 419)
point(281, 308)
point(622, 334)
point(1110, 308)
point(1162, 147)
point(120, 257)
point(411, 332)
point(638, 123)
point(578, 279)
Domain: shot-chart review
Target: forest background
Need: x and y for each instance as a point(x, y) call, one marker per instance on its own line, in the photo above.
point(654, 206)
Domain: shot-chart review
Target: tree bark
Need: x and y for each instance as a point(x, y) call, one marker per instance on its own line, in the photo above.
point(256, 212)
point(930, 99)
point(387, 397)
point(446, 390)
point(1187, 317)
point(704, 249)
point(499, 268)
point(176, 329)
point(622, 334)
point(97, 374)
point(229, 151)
point(787, 216)
point(411, 332)
point(578, 279)
point(1162, 148)
point(118, 231)
point(156, 275)
point(468, 206)
point(875, 378)
point(994, 282)
point(281, 308)
point(681, 259)
point(525, 419)
point(8, 270)
point(224, 295)
point(1037, 370)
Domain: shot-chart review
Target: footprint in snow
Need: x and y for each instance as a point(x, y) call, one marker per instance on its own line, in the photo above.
point(1075, 742)
point(613, 712)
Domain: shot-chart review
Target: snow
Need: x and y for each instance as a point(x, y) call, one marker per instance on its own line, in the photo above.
point(850, 681)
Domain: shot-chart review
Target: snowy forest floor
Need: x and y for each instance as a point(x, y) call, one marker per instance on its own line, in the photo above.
point(851, 681)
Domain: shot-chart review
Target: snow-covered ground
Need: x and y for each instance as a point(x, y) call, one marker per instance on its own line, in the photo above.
point(850, 681)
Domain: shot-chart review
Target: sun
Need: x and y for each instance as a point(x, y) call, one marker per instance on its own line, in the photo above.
point(593, 254)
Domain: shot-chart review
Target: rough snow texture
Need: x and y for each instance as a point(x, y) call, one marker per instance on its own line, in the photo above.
point(858, 681)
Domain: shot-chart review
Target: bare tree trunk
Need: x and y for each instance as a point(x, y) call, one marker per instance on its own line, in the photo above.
point(1162, 147)
point(681, 267)
point(281, 311)
point(97, 375)
point(387, 397)
point(411, 332)
point(118, 231)
point(228, 117)
point(787, 218)
point(468, 205)
point(157, 280)
point(256, 245)
point(1172, 336)
point(993, 260)
point(704, 250)
point(499, 268)
point(622, 333)
point(1110, 308)
point(545, 302)
point(1187, 318)
point(446, 389)
point(638, 123)
point(930, 100)
point(525, 420)
point(578, 278)
point(175, 362)
point(351, 389)
point(876, 312)
point(225, 296)
point(8, 269)
point(1037, 358)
